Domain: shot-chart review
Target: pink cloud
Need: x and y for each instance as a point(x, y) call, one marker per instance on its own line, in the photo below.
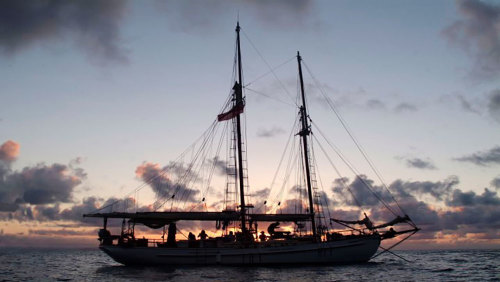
point(9, 151)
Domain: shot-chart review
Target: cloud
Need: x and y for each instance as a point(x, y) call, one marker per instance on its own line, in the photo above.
point(471, 219)
point(359, 193)
point(267, 133)
point(439, 190)
point(494, 104)
point(191, 15)
point(74, 213)
point(478, 34)
point(496, 182)
point(375, 104)
point(159, 180)
point(467, 106)
point(93, 204)
point(461, 199)
point(35, 185)
point(484, 158)
point(469, 213)
point(44, 184)
point(405, 107)
point(92, 25)
point(9, 151)
point(61, 232)
point(261, 194)
point(222, 167)
point(40, 184)
point(421, 164)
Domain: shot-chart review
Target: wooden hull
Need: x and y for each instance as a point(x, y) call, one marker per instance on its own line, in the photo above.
point(355, 250)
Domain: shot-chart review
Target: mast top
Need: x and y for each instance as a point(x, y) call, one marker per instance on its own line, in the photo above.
point(238, 26)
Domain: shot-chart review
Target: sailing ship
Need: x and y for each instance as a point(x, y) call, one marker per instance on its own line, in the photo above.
point(312, 241)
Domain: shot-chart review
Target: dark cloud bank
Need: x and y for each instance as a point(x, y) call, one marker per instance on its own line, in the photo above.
point(92, 25)
point(466, 212)
point(478, 34)
point(39, 184)
point(36, 192)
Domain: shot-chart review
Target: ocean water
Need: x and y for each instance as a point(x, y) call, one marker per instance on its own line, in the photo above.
point(93, 265)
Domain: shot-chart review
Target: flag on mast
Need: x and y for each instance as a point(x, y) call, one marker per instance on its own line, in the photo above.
point(238, 108)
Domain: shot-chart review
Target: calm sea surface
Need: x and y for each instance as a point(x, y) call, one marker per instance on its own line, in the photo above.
point(93, 265)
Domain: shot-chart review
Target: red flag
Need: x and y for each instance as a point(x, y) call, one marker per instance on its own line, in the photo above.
point(236, 110)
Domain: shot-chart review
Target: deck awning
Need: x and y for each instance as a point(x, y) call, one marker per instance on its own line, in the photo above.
point(166, 217)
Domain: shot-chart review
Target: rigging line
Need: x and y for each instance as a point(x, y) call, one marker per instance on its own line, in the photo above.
point(189, 169)
point(312, 164)
point(344, 186)
point(300, 174)
point(148, 181)
point(367, 185)
point(319, 177)
point(388, 249)
point(353, 169)
point(270, 71)
point(198, 167)
point(349, 132)
point(291, 166)
point(290, 157)
point(244, 156)
point(162, 172)
point(210, 133)
point(191, 177)
point(392, 253)
point(270, 68)
point(202, 148)
point(182, 177)
point(269, 96)
point(290, 137)
point(230, 157)
point(212, 169)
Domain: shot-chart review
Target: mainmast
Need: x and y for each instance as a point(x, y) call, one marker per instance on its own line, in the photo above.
point(304, 133)
point(239, 101)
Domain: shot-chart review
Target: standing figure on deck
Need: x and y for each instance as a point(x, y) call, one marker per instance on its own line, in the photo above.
point(191, 240)
point(203, 236)
point(262, 236)
point(172, 229)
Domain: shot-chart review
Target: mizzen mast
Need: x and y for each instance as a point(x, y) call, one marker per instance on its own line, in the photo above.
point(304, 133)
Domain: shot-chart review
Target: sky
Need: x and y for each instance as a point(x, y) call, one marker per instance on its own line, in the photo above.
point(98, 95)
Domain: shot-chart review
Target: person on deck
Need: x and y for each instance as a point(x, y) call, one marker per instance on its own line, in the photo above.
point(262, 236)
point(271, 228)
point(172, 229)
point(191, 240)
point(230, 237)
point(203, 236)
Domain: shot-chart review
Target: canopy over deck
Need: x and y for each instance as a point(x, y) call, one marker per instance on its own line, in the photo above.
point(166, 217)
